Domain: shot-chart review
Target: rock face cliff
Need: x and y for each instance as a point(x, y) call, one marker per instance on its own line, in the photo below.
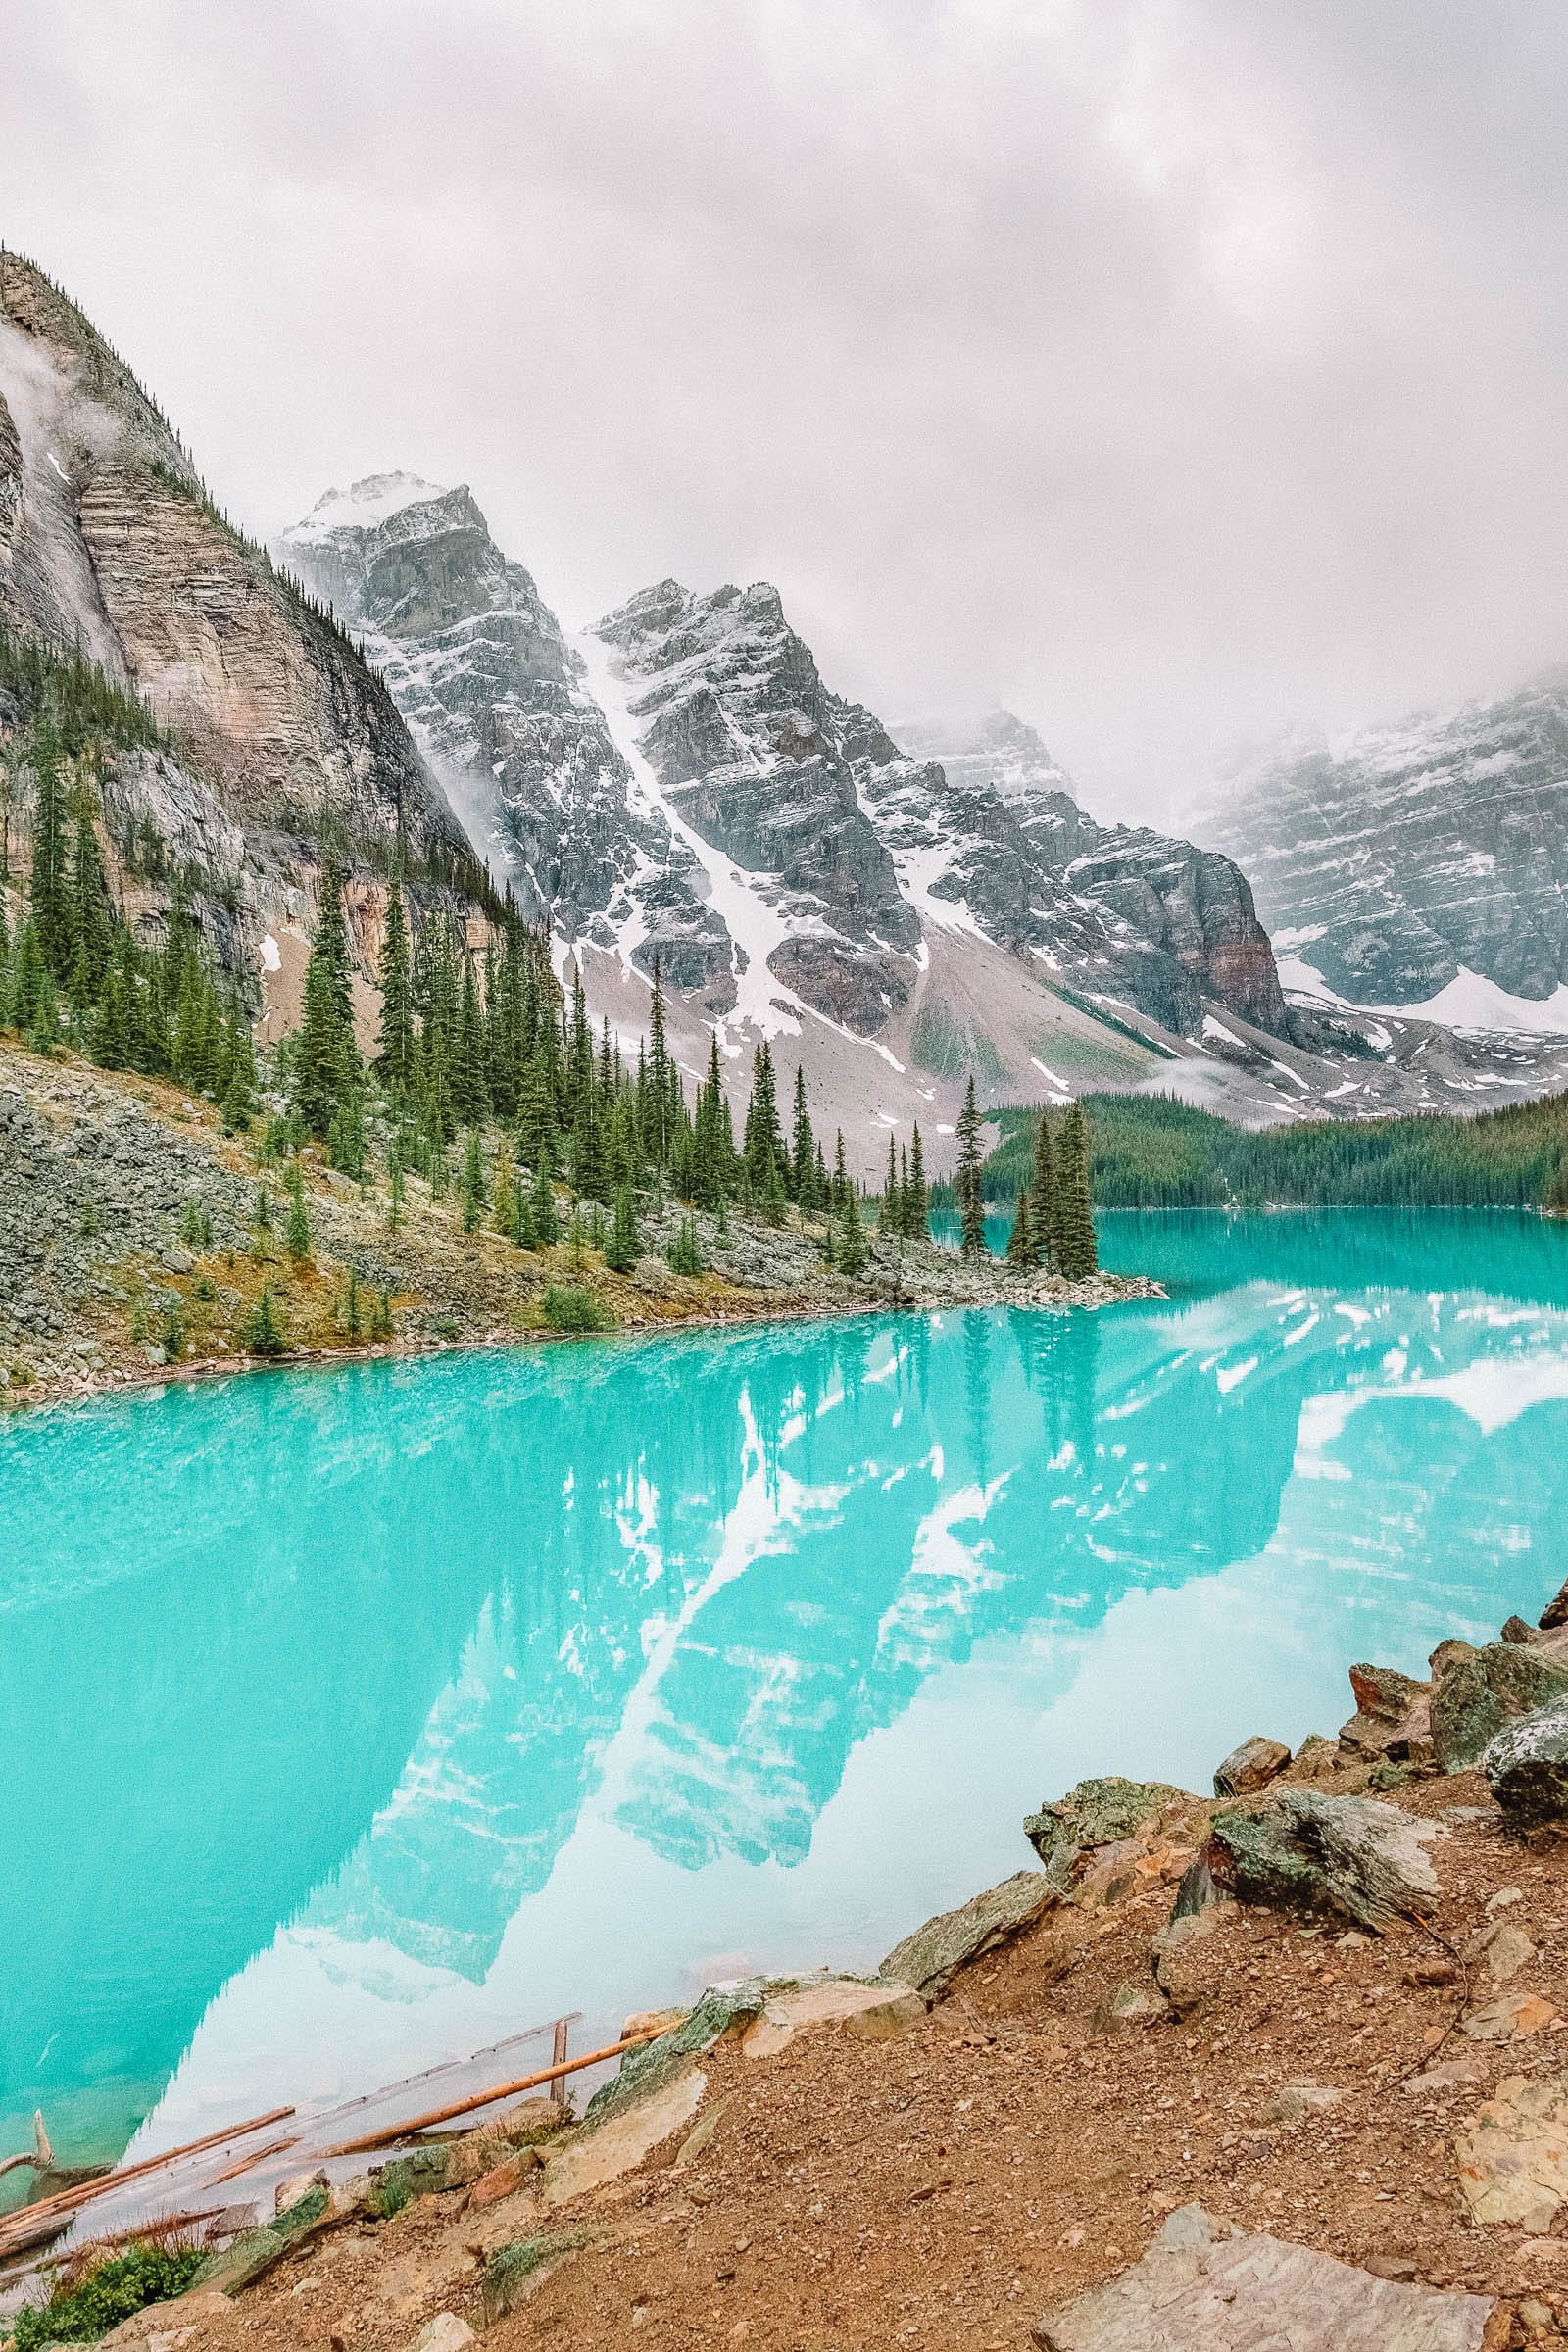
point(109, 541)
point(1405, 861)
point(1135, 910)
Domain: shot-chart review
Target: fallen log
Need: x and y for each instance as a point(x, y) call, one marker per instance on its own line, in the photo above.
point(485, 2098)
point(28, 2225)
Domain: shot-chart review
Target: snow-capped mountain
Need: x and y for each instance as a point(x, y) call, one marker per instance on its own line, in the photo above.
point(1133, 911)
point(678, 780)
point(1423, 866)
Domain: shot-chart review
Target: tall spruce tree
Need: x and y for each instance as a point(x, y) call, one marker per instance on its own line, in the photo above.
point(1023, 1246)
point(326, 1062)
point(1078, 1252)
point(971, 1205)
point(1043, 1192)
point(50, 889)
point(395, 1039)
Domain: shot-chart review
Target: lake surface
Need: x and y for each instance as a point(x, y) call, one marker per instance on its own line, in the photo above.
point(356, 1719)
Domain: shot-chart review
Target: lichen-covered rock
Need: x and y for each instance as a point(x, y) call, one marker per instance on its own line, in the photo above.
point(1527, 1767)
point(1309, 1853)
point(1094, 1813)
point(1477, 1691)
point(517, 2271)
point(1203, 2288)
point(927, 1960)
point(724, 2011)
point(1250, 1767)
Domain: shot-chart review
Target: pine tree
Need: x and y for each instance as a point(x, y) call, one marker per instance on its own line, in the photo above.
point(92, 925)
point(1023, 1248)
point(1044, 1192)
point(505, 1194)
point(890, 1209)
point(684, 1254)
point(853, 1254)
point(762, 1147)
point(625, 1245)
point(398, 1195)
point(326, 1063)
point(395, 1036)
point(474, 1196)
point(1078, 1254)
point(263, 1334)
point(50, 892)
point(297, 1224)
point(471, 1095)
point(971, 1206)
point(803, 1153)
point(546, 1223)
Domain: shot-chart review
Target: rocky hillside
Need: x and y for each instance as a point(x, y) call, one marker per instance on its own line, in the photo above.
point(271, 727)
point(137, 1234)
point(1422, 865)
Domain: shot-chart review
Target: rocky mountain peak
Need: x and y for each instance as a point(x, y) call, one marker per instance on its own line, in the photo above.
point(1422, 865)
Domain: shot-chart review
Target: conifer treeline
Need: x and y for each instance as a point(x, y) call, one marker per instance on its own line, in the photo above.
point(77, 970)
point(1153, 1151)
point(1053, 1224)
point(469, 1040)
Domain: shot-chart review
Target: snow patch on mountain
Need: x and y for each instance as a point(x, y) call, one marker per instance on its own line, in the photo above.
point(755, 926)
point(364, 507)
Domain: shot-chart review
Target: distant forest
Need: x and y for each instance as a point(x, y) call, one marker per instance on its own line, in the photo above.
point(1151, 1151)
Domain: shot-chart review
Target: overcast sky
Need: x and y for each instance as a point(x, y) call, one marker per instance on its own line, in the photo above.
point(1163, 369)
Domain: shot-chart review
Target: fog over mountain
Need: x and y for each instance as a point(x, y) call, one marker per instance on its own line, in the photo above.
point(1160, 369)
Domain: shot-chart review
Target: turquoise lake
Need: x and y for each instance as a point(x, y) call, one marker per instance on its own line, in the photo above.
point(356, 1719)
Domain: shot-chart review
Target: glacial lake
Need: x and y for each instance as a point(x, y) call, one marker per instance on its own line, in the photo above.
point(357, 1719)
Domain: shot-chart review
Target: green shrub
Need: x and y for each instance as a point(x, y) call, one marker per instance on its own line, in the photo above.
point(568, 1307)
point(100, 2298)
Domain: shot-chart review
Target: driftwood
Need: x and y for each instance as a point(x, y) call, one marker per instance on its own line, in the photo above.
point(40, 2155)
point(483, 2098)
point(30, 2225)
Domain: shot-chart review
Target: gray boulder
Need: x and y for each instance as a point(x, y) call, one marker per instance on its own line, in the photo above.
point(928, 1959)
point(1203, 2288)
point(1527, 1767)
point(1309, 1853)
point(1477, 1691)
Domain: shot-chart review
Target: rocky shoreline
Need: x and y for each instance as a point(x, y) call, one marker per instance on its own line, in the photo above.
point(128, 1219)
point(1279, 2065)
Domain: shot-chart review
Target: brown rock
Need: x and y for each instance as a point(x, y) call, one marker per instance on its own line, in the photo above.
point(503, 2179)
point(1253, 1765)
point(1555, 1612)
point(1518, 1631)
point(1392, 1717)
